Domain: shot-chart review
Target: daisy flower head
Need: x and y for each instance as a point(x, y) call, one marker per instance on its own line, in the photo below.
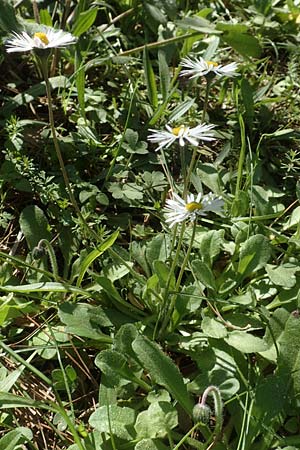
point(178, 210)
point(182, 134)
point(45, 39)
point(194, 68)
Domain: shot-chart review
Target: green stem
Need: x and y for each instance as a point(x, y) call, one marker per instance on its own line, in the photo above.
point(242, 152)
point(205, 105)
point(189, 173)
point(167, 288)
point(218, 404)
point(44, 68)
point(179, 278)
point(46, 244)
point(186, 436)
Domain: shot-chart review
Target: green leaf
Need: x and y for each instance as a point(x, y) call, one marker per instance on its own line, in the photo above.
point(246, 342)
point(84, 21)
point(164, 74)
point(180, 110)
point(114, 365)
point(210, 176)
point(210, 245)
point(15, 438)
point(45, 287)
point(162, 370)
point(34, 225)
point(163, 273)
point(274, 333)
point(45, 17)
point(212, 328)
point(247, 96)
point(8, 20)
point(283, 275)
point(15, 401)
point(254, 254)
point(157, 421)
point(289, 352)
point(94, 254)
point(245, 44)
point(84, 320)
point(150, 444)
point(204, 274)
point(113, 419)
point(150, 79)
point(45, 345)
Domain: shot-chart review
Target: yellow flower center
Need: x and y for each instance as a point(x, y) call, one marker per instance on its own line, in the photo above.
point(212, 63)
point(193, 206)
point(177, 130)
point(42, 37)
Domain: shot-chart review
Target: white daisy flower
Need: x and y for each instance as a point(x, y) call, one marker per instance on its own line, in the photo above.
point(199, 67)
point(178, 210)
point(181, 134)
point(45, 39)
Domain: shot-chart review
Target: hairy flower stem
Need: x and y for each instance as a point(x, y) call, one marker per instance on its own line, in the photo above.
point(218, 407)
point(44, 67)
point(209, 79)
point(45, 244)
point(179, 278)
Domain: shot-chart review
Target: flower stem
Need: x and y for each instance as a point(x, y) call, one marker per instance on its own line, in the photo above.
point(218, 404)
point(44, 68)
point(44, 243)
point(179, 278)
point(205, 105)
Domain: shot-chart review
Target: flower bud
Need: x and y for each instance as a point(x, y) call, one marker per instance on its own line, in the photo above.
point(201, 413)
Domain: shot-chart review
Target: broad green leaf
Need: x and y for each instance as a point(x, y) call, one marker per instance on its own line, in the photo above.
point(84, 21)
point(34, 225)
point(113, 419)
point(245, 342)
point(95, 254)
point(114, 365)
point(162, 370)
point(204, 274)
point(289, 352)
point(270, 398)
point(150, 79)
point(294, 219)
point(8, 20)
point(210, 245)
point(15, 438)
point(254, 254)
point(84, 320)
point(163, 273)
point(158, 248)
point(282, 275)
point(210, 177)
point(44, 344)
point(199, 24)
point(124, 338)
point(156, 421)
point(213, 328)
point(245, 44)
point(150, 444)
point(274, 333)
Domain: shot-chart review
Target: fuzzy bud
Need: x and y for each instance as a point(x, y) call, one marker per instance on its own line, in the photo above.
point(201, 413)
